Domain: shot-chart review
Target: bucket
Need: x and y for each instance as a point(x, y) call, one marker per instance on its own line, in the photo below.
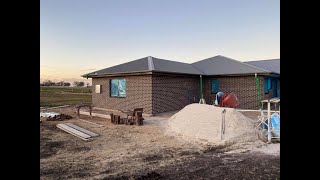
point(231, 100)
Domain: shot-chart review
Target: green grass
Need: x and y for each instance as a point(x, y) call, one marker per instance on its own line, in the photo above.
point(59, 96)
point(65, 89)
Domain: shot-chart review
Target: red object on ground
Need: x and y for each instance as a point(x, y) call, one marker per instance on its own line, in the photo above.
point(221, 101)
point(231, 101)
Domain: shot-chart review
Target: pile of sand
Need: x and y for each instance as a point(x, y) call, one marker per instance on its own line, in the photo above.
point(202, 123)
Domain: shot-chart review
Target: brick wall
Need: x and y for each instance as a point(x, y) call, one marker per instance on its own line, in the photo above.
point(171, 93)
point(154, 93)
point(162, 93)
point(244, 87)
point(138, 92)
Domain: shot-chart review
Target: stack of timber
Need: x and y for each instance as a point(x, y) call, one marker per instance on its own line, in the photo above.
point(77, 131)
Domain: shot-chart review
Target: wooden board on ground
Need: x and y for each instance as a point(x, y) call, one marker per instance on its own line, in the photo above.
point(82, 129)
point(74, 132)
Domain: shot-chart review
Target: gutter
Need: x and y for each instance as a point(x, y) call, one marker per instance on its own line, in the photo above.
point(179, 73)
point(137, 73)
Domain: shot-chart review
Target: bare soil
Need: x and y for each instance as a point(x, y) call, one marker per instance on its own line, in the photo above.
point(145, 152)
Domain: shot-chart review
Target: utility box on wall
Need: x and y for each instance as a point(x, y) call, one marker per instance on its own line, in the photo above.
point(98, 89)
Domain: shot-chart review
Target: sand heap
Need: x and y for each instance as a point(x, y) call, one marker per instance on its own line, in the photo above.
point(202, 123)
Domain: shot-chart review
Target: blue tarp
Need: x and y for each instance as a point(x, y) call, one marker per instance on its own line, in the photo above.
point(275, 123)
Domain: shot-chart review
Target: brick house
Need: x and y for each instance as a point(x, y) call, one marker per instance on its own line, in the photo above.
point(159, 85)
point(229, 75)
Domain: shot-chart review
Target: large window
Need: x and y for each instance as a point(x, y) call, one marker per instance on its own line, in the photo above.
point(118, 88)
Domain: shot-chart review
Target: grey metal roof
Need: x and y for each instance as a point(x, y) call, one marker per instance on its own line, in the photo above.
point(220, 65)
point(148, 64)
point(174, 67)
point(138, 65)
point(217, 65)
point(270, 64)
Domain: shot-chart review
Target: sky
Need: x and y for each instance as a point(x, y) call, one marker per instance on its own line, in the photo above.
point(81, 36)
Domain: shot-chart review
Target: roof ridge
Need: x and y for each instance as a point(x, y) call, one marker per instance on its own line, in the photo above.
point(173, 61)
point(207, 59)
point(198, 69)
point(170, 60)
point(150, 63)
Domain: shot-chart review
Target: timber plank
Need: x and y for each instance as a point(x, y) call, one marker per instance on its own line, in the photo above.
point(82, 129)
point(74, 132)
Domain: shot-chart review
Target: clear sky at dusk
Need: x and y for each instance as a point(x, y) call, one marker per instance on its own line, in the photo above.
point(80, 36)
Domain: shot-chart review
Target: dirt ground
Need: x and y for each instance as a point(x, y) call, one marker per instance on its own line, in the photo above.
point(146, 152)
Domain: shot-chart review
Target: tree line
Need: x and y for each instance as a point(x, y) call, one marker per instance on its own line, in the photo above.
point(62, 83)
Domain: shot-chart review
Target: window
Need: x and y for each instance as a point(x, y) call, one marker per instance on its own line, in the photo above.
point(272, 84)
point(266, 84)
point(118, 88)
point(215, 86)
point(98, 89)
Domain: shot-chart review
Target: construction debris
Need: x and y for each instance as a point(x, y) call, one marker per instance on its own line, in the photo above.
point(48, 114)
point(59, 117)
point(77, 131)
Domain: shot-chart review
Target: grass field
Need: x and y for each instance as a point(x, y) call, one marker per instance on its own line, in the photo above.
point(59, 96)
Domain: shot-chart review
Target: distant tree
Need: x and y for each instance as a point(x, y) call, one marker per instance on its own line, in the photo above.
point(66, 84)
point(61, 83)
point(81, 84)
point(52, 83)
point(78, 83)
point(48, 83)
